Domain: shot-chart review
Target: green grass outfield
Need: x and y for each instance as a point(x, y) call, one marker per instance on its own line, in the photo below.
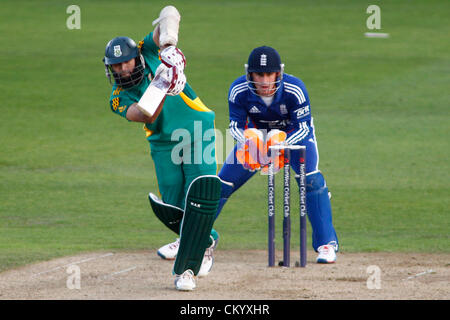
point(75, 177)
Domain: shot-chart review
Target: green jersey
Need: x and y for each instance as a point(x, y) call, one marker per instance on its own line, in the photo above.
point(182, 112)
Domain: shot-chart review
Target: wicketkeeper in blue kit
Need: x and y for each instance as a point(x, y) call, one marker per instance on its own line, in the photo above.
point(268, 105)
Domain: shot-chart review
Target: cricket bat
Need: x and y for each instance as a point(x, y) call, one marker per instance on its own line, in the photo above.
point(153, 96)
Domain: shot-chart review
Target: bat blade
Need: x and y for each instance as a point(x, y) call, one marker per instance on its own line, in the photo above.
point(152, 98)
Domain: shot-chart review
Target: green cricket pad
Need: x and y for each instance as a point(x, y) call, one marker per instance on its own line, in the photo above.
point(202, 202)
point(169, 215)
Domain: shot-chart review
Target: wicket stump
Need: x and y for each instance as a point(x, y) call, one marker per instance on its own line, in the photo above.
point(287, 206)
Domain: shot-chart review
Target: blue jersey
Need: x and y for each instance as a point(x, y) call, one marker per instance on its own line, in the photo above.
point(290, 110)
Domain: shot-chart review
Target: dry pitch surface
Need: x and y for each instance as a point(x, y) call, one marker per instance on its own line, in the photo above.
point(236, 275)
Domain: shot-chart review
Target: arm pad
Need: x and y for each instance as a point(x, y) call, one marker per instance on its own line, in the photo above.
point(169, 22)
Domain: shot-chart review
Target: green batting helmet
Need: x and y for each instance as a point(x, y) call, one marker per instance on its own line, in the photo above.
point(121, 49)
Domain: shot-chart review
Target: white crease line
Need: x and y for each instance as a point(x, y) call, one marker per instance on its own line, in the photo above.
point(119, 272)
point(72, 263)
point(419, 274)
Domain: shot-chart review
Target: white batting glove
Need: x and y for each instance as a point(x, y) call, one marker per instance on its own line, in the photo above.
point(173, 57)
point(164, 77)
point(178, 83)
point(170, 78)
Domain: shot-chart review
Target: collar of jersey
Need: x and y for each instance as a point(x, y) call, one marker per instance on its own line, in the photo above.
point(255, 98)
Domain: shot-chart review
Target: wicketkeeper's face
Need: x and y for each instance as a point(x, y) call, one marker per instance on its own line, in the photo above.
point(124, 69)
point(265, 82)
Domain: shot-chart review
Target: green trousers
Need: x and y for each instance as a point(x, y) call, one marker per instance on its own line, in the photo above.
point(175, 170)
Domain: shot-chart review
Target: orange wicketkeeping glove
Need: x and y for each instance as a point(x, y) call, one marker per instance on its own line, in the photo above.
point(250, 153)
point(274, 137)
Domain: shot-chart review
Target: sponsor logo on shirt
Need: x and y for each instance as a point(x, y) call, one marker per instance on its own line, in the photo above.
point(302, 112)
point(276, 124)
point(254, 109)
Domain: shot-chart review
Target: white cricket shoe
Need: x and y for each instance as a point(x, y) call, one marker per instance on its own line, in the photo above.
point(208, 261)
point(327, 254)
point(185, 281)
point(169, 251)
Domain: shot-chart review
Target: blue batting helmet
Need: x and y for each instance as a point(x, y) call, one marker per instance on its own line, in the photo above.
point(264, 60)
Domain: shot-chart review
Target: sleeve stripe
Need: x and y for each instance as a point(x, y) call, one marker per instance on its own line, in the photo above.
point(299, 135)
point(233, 98)
point(237, 135)
point(236, 87)
point(296, 88)
point(235, 132)
point(295, 91)
point(299, 98)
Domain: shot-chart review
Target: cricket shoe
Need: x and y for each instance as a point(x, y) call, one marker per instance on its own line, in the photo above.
point(169, 251)
point(327, 254)
point(208, 260)
point(185, 281)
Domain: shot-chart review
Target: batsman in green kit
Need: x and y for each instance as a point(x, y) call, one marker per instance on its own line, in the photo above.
point(149, 86)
